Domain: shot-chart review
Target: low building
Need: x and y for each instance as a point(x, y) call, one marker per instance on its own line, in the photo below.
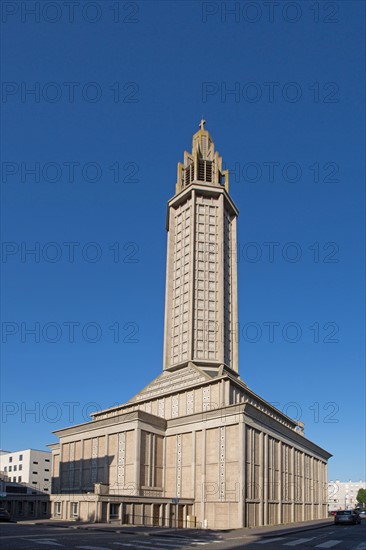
point(23, 501)
point(29, 466)
point(342, 495)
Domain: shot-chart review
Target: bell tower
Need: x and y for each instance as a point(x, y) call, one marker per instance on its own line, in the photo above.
point(201, 315)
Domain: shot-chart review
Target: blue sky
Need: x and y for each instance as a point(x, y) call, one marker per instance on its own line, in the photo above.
point(118, 90)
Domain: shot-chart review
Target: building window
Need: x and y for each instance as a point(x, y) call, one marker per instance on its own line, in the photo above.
point(14, 479)
point(20, 467)
point(45, 489)
point(15, 467)
point(35, 462)
point(10, 459)
point(5, 468)
point(20, 457)
point(19, 479)
point(47, 459)
point(34, 483)
point(46, 469)
point(46, 479)
point(10, 468)
point(74, 509)
point(58, 508)
point(35, 473)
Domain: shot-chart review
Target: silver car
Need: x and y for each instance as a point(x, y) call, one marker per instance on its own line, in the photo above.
point(347, 516)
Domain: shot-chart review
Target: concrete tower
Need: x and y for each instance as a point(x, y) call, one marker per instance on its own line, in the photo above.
point(196, 446)
point(201, 316)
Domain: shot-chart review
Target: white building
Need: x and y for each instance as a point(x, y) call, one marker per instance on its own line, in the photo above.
point(29, 466)
point(342, 494)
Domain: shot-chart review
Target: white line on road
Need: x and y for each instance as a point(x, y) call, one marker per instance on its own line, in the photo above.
point(51, 542)
point(297, 542)
point(136, 545)
point(185, 541)
point(328, 544)
point(167, 544)
point(266, 541)
point(93, 547)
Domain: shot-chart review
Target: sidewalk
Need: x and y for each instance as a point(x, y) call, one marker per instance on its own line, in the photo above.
point(244, 532)
point(276, 530)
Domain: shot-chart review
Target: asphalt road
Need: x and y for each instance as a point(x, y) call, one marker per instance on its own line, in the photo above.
point(43, 537)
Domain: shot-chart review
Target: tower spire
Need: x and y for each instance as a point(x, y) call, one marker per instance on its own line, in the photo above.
point(203, 165)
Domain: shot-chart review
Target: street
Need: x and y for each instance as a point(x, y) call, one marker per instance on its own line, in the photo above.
point(43, 537)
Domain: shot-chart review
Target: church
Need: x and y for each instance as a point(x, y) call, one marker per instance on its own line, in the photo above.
point(196, 447)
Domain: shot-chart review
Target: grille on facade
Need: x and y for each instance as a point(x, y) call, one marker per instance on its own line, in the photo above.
point(189, 174)
point(205, 170)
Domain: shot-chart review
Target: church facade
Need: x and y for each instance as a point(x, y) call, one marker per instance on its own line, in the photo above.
point(196, 447)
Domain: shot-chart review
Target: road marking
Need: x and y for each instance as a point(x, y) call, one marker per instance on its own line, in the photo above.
point(135, 545)
point(179, 542)
point(169, 544)
point(169, 541)
point(297, 541)
point(51, 542)
point(269, 540)
point(93, 547)
point(328, 544)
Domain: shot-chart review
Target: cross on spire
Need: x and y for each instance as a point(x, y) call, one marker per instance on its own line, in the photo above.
point(202, 123)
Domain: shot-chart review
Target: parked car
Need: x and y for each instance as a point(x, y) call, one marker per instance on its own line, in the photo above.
point(333, 513)
point(347, 516)
point(362, 514)
point(4, 515)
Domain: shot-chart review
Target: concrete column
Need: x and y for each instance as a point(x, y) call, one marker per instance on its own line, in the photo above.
point(164, 467)
point(167, 515)
point(192, 305)
point(221, 336)
point(312, 488)
point(108, 512)
point(98, 511)
point(203, 478)
point(168, 288)
point(279, 517)
point(293, 491)
point(261, 479)
point(265, 479)
point(81, 462)
point(227, 393)
point(193, 472)
point(222, 394)
point(137, 459)
point(106, 473)
point(325, 490)
point(234, 300)
point(121, 513)
point(152, 471)
point(303, 484)
point(244, 481)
